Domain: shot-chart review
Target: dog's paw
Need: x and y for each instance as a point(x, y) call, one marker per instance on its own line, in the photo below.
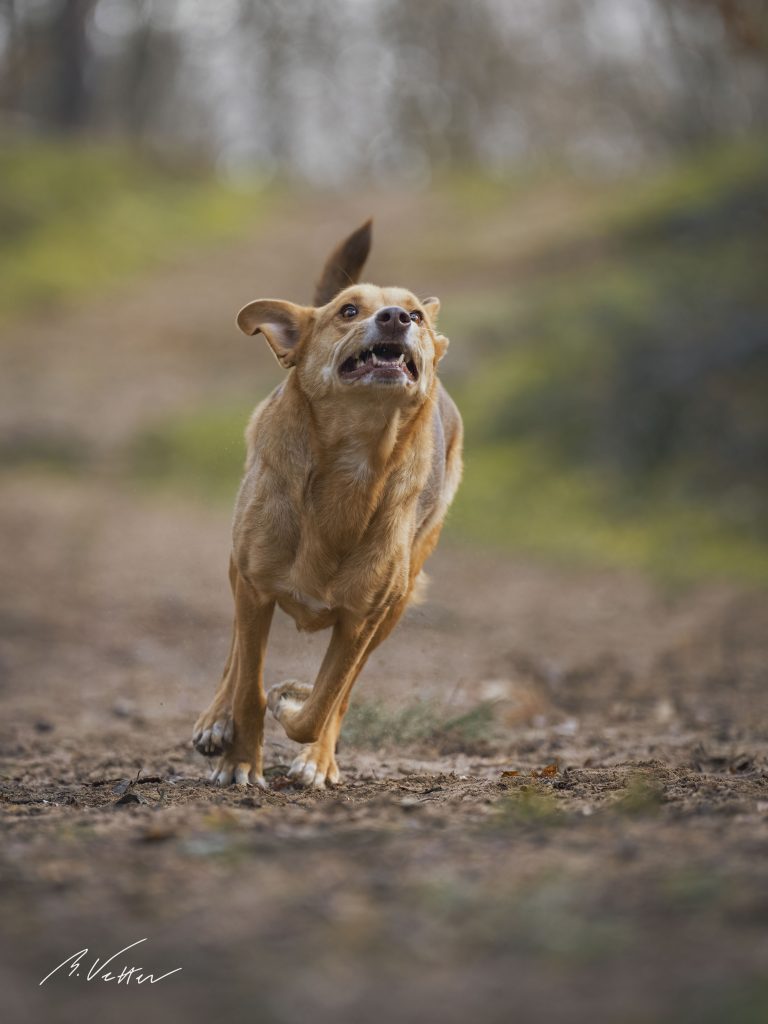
point(213, 732)
point(231, 772)
point(285, 699)
point(314, 766)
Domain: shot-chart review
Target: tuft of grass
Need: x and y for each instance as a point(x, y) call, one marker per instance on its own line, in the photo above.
point(373, 724)
point(529, 803)
point(643, 796)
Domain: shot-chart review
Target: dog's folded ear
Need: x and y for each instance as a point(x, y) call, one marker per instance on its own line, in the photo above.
point(345, 264)
point(283, 324)
point(431, 307)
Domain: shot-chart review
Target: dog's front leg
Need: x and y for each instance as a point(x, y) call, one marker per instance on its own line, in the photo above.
point(312, 714)
point(233, 725)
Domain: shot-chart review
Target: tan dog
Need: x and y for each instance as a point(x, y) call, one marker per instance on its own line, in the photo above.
point(352, 462)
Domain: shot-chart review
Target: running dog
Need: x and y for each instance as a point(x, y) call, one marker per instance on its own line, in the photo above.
point(351, 465)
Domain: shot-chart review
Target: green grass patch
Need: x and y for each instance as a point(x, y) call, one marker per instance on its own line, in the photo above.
point(373, 725)
point(76, 219)
point(528, 803)
point(643, 796)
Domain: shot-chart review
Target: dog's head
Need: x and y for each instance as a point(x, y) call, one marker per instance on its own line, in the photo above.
point(357, 341)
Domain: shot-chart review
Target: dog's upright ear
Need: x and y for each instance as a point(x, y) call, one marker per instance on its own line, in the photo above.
point(345, 264)
point(283, 324)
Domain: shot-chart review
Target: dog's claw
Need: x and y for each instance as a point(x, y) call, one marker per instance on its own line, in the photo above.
point(218, 733)
point(212, 740)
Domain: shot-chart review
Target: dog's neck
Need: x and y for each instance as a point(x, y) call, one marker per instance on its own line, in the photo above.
point(361, 444)
point(360, 455)
point(359, 440)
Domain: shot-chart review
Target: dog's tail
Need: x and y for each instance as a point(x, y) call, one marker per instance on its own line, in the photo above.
point(345, 264)
point(418, 593)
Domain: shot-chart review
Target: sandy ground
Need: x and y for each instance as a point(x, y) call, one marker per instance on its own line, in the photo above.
point(598, 852)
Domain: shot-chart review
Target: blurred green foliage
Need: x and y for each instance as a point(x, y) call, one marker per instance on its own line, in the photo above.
point(75, 219)
point(622, 417)
point(202, 451)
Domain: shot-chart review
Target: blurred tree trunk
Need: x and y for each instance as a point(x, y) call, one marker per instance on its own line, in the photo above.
point(69, 39)
point(150, 73)
point(10, 73)
point(746, 22)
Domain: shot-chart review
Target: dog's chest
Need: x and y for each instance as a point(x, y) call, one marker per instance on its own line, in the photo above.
point(322, 580)
point(338, 568)
point(336, 536)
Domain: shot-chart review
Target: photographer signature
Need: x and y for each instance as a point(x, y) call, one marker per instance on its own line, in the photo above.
point(98, 971)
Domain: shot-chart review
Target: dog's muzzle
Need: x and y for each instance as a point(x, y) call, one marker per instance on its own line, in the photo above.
point(386, 354)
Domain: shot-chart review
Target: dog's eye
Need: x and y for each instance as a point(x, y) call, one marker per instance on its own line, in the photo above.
point(348, 311)
point(417, 316)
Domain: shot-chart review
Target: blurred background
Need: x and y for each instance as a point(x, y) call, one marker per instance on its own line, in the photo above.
point(586, 183)
point(556, 769)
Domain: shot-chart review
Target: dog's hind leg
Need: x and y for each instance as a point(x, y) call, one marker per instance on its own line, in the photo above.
point(214, 728)
point(232, 727)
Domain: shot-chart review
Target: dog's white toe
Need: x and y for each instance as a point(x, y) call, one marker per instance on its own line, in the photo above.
point(240, 774)
point(306, 772)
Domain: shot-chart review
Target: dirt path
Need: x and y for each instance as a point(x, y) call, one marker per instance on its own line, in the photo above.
point(589, 842)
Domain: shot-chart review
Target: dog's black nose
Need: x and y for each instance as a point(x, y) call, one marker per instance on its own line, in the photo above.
point(392, 320)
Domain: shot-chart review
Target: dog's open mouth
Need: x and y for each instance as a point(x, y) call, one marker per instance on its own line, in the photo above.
point(387, 361)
